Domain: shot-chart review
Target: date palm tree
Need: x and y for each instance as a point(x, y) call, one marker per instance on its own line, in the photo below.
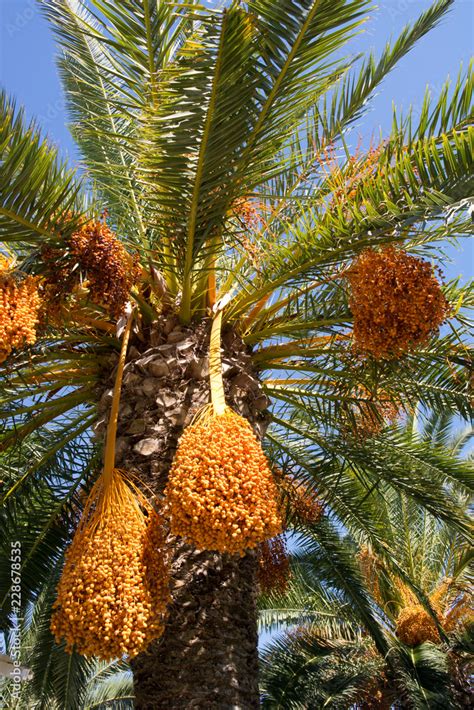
point(216, 142)
point(325, 654)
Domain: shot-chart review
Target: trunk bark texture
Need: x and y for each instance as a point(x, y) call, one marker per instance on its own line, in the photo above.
point(207, 657)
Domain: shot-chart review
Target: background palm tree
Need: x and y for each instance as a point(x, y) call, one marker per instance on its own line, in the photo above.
point(60, 680)
point(329, 656)
point(215, 139)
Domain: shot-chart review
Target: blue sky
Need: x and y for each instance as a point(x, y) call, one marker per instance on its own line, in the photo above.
point(28, 71)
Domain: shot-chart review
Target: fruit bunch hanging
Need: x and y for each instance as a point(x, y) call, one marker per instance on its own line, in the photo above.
point(452, 605)
point(246, 211)
point(396, 301)
point(415, 626)
point(220, 492)
point(299, 500)
point(20, 304)
point(113, 591)
point(307, 506)
point(370, 413)
point(274, 565)
point(110, 272)
point(372, 569)
point(370, 418)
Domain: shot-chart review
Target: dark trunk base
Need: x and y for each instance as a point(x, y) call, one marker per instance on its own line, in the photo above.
point(207, 657)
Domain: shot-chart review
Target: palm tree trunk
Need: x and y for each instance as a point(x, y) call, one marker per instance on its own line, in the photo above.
point(207, 657)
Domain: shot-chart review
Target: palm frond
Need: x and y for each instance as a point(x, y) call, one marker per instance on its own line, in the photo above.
point(350, 98)
point(39, 195)
point(301, 670)
point(109, 64)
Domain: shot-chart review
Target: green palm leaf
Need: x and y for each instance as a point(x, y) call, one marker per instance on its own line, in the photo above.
point(37, 191)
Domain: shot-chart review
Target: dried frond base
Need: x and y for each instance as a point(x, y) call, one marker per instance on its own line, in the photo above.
point(113, 592)
point(220, 492)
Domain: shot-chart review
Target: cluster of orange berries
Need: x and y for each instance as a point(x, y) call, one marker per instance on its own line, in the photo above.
point(274, 565)
point(308, 507)
point(370, 414)
point(453, 609)
point(396, 301)
point(415, 626)
point(111, 271)
point(299, 501)
point(20, 304)
point(113, 592)
point(220, 493)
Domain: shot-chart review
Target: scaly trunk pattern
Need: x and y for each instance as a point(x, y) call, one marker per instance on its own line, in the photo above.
point(207, 657)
